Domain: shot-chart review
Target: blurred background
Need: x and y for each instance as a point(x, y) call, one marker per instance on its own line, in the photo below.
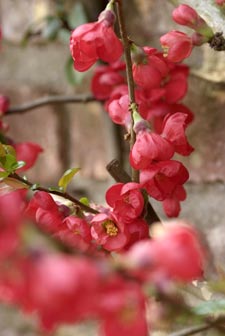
point(35, 62)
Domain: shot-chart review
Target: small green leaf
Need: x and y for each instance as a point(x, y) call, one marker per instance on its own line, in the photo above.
point(9, 161)
point(77, 16)
point(67, 177)
point(51, 29)
point(73, 77)
point(3, 175)
point(34, 186)
point(55, 189)
point(18, 164)
point(210, 307)
point(84, 200)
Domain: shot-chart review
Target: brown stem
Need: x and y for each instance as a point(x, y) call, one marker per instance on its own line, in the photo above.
point(130, 80)
point(50, 100)
point(54, 192)
point(116, 171)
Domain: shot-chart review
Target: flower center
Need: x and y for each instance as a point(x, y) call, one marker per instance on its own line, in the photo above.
point(111, 228)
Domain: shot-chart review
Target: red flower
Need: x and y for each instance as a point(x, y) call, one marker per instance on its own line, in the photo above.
point(126, 200)
point(177, 254)
point(171, 206)
point(12, 205)
point(43, 209)
point(122, 309)
point(4, 104)
point(92, 41)
point(148, 69)
point(109, 232)
point(118, 110)
point(27, 152)
point(148, 147)
point(176, 87)
point(174, 126)
point(75, 232)
point(105, 79)
point(176, 45)
point(186, 16)
point(162, 178)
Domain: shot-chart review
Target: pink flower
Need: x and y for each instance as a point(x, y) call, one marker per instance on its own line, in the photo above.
point(109, 232)
point(177, 46)
point(176, 87)
point(186, 16)
point(122, 309)
point(12, 205)
point(149, 147)
point(174, 126)
point(43, 209)
point(118, 110)
point(4, 104)
point(27, 152)
point(220, 2)
point(162, 178)
point(126, 200)
point(171, 206)
point(105, 79)
point(148, 68)
point(59, 288)
point(177, 254)
point(92, 41)
point(75, 232)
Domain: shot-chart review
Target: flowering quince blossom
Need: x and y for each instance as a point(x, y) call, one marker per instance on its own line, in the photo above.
point(148, 64)
point(12, 205)
point(107, 231)
point(43, 209)
point(4, 104)
point(27, 152)
point(149, 147)
point(177, 45)
point(220, 2)
point(171, 205)
point(187, 16)
point(64, 293)
point(162, 178)
point(177, 253)
point(174, 126)
point(92, 41)
point(126, 200)
point(106, 78)
point(75, 232)
point(122, 307)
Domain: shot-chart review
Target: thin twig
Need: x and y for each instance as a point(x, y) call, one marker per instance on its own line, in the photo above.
point(54, 192)
point(192, 330)
point(50, 100)
point(130, 80)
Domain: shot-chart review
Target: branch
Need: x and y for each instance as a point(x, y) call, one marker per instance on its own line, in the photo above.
point(192, 330)
point(54, 192)
point(119, 175)
point(50, 100)
point(130, 80)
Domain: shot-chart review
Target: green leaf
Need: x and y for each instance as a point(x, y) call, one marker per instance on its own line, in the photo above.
point(3, 175)
point(9, 161)
point(34, 186)
point(74, 77)
point(67, 177)
point(85, 201)
point(51, 29)
point(18, 164)
point(210, 307)
point(55, 189)
point(77, 16)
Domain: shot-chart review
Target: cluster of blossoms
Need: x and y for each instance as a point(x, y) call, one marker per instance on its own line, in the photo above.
point(92, 282)
point(161, 83)
point(61, 288)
